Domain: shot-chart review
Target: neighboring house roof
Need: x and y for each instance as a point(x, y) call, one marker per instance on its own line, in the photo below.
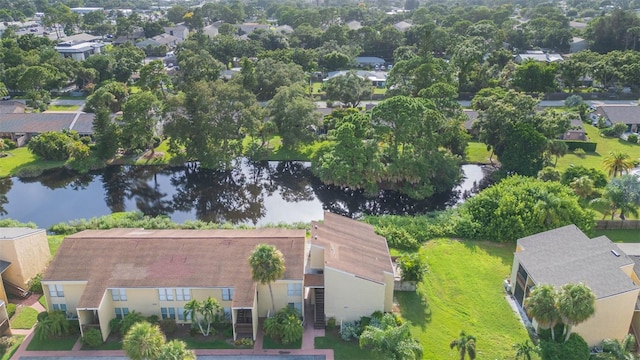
point(369, 60)
point(166, 39)
point(210, 30)
point(472, 116)
point(353, 247)
point(11, 107)
point(626, 114)
point(539, 56)
point(139, 34)
point(36, 123)
point(370, 75)
point(228, 74)
point(4, 265)
point(248, 28)
point(170, 258)
point(402, 25)
point(13, 233)
point(577, 25)
point(176, 29)
point(285, 29)
point(80, 38)
point(354, 25)
point(566, 255)
point(147, 42)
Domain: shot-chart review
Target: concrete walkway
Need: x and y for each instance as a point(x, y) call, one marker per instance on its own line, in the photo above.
point(306, 352)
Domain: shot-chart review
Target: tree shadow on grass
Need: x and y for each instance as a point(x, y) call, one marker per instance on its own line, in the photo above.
point(414, 307)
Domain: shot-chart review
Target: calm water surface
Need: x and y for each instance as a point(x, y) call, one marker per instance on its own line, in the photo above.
point(255, 193)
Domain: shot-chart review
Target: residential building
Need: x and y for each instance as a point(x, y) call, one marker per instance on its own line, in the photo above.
point(369, 61)
point(377, 78)
point(472, 117)
point(613, 114)
point(85, 10)
point(156, 272)
point(248, 28)
point(24, 253)
point(578, 44)
point(79, 50)
point(575, 132)
point(540, 56)
point(179, 31)
point(566, 255)
point(20, 127)
point(402, 26)
point(354, 25)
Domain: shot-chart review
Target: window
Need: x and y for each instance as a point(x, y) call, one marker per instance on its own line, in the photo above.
point(56, 291)
point(119, 294)
point(227, 313)
point(121, 312)
point(165, 294)
point(168, 313)
point(294, 289)
point(183, 294)
point(181, 315)
point(297, 306)
point(60, 307)
point(227, 294)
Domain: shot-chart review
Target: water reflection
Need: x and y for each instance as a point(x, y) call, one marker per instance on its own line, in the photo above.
point(251, 193)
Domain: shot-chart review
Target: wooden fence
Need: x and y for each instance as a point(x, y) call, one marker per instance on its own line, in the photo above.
point(618, 224)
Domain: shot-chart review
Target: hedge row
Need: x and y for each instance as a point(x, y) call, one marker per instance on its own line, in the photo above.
point(587, 146)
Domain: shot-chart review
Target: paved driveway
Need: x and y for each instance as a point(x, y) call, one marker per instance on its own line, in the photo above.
point(205, 357)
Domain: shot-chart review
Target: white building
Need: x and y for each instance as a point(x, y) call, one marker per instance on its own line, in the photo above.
point(79, 51)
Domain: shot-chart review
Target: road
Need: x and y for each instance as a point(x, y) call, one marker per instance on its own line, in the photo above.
point(543, 103)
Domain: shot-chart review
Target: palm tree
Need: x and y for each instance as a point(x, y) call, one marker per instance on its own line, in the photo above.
point(55, 323)
point(209, 309)
point(176, 350)
point(558, 149)
point(620, 350)
point(548, 210)
point(267, 265)
point(576, 303)
point(541, 306)
point(524, 350)
point(618, 162)
point(465, 344)
point(582, 186)
point(391, 341)
point(143, 341)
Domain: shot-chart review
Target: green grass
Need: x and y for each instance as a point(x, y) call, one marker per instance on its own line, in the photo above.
point(605, 145)
point(20, 159)
point(195, 343)
point(109, 345)
point(342, 350)
point(43, 301)
point(269, 343)
point(630, 236)
point(63, 107)
point(163, 160)
point(7, 354)
point(54, 243)
point(477, 153)
point(24, 318)
point(69, 98)
point(56, 344)
point(463, 291)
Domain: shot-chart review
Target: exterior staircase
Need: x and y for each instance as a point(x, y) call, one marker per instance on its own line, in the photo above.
point(16, 290)
point(319, 318)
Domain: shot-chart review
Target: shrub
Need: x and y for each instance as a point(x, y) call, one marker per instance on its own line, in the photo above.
point(413, 266)
point(243, 342)
point(573, 100)
point(168, 326)
point(285, 325)
point(114, 325)
point(42, 316)
point(587, 146)
point(633, 138)
point(598, 177)
point(574, 349)
point(129, 320)
point(398, 238)
point(10, 144)
point(35, 284)
point(5, 343)
point(153, 319)
point(92, 338)
point(331, 323)
point(580, 152)
point(349, 330)
point(11, 310)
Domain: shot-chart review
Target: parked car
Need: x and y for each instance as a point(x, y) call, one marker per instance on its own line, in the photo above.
point(7, 97)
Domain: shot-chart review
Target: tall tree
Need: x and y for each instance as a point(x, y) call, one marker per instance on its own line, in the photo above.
point(106, 134)
point(294, 114)
point(267, 266)
point(617, 162)
point(465, 344)
point(140, 119)
point(576, 303)
point(349, 89)
point(392, 341)
point(621, 350)
point(176, 350)
point(143, 341)
point(541, 306)
point(524, 350)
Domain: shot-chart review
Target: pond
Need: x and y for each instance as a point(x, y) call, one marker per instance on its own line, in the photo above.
point(254, 194)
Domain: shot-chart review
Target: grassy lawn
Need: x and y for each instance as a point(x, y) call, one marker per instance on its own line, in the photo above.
point(54, 243)
point(159, 160)
point(463, 291)
point(605, 145)
point(195, 343)
point(109, 345)
point(477, 153)
point(43, 301)
point(631, 236)
point(7, 354)
point(63, 107)
point(342, 350)
point(24, 318)
point(57, 344)
point(269, 343)
point(21, 158)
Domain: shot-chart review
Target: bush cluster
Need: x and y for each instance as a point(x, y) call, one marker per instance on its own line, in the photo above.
point(35, 284)
point(11, 310)
point(92, 338)
point(574, 349)
point(285, 326)
point(5, 343)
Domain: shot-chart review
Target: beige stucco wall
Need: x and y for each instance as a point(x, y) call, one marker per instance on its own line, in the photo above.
point(628, 270)
point(349, 298)
point(3, 294)
point(388, 288)
point(29, 255)
point(105, 314)
point(316, 257)
point(611, 320)
point(72, 292)
point(280, 296)
point(514, 272)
